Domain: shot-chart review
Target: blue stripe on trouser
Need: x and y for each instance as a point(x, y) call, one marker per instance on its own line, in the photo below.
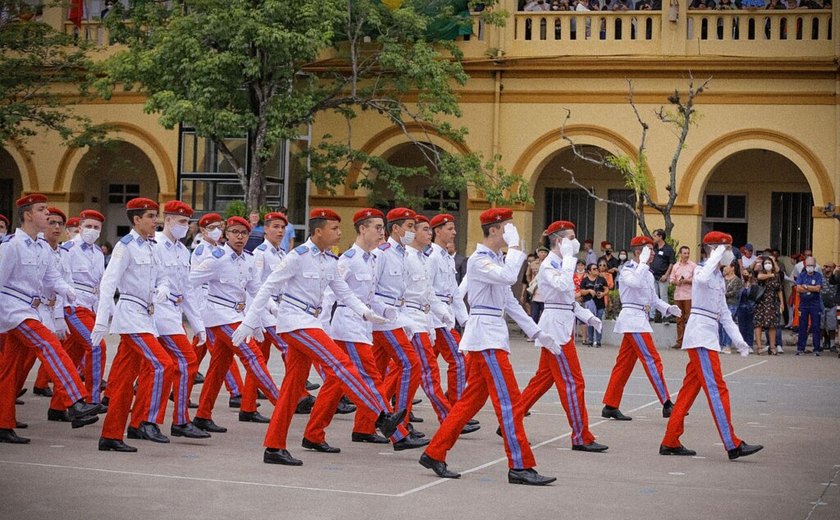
point(353, 352)
point(210, 336)
point(157, 386)
point(253, 363)
point(426, 378)
point(52, 358)
point(340, 371)
point(714, 398)
point(183, 368)
point(272, 331)
point(405, 377)
point(95, 354)
point(460, 366)
point(506, 407)
point(658, 383)
point(571, 398)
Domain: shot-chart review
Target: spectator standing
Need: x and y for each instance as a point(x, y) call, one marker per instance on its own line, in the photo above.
point(527, 277)
point(746, 307)
point(682, 275)
point(589, 256)
point(611, 261)
point(734, 287)
point(768, 306)
point(593, 290)
point(257, 235)
point(828, 294)
point(808, 285)
point(747, 257)
point(580, 273)
point(537, 297)
point(288, 242)
point(663, 262)
point(460, 261)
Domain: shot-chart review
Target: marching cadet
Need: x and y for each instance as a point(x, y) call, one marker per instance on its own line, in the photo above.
point(230, 275)
point(134, 270)
point(354, 335)
point(304, 275)
point(488, 287)
point(211, 226)
point(701, 342)
point(556, 281)
point(175, 299)
point(72, 227)
point(445, 284)
point(26, 269)
point(637, 290)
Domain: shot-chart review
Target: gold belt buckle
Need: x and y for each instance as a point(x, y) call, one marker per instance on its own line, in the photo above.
point(36, 302)
point(179, 300)
point(51, 303)
point(426, 308)
point(316, 312)
point(151, 309)
point(240, 307)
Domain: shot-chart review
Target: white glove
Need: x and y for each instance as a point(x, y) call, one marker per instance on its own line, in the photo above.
point(743, 348)
point(595, 321)
point(161, 294)
point(273, 308)
point(374, 318)
point(97, 335)
point(567, 248)
point(717, 255)
point(673, 310)
point(243, 333)
point(60, 329)
point(390, 313)
point(511, 235)
point(202, 338)
point(545, 340)
point(644, 256)
point(448, 321)
point(70, 295)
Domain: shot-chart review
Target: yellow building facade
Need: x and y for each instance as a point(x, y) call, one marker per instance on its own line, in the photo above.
point(762, 161)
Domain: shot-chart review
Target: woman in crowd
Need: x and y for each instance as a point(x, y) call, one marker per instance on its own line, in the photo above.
point(593, 291)
point(734, 286)
point(769, 306)
point(580, 273)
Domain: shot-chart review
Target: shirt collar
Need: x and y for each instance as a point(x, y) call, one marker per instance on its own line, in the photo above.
point(271, 248)
point(232, 253)
point(136, 236)
point(396, 245)
point(366, 255)
point(481, 247)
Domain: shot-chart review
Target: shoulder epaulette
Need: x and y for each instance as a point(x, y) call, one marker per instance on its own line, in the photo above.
point(483, 252)
point(126, 239)
point(67, 245)
point(331, 254)
point(200, 249)
point(349, 253)
point(444, 252)
point(7, 238)
point(302, 249)
point(218, 252)
point(383, 246)
point(554, 264)
point(262, 247)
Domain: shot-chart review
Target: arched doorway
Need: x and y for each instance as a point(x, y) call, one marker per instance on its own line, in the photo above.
point(109, 175)
point(761, 197)
point(11, 184)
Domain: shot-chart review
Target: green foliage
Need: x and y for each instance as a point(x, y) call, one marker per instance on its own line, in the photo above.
point(236, 208)
point(633, 170)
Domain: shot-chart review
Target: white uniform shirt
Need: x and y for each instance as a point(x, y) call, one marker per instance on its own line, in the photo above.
point(53, 309)
point(557, 283)
point(134, 270)
point(487, 285)
point(199, 254)
point(636, 290)
point(708, 310)
point(304, 275)
point(87, 265)
point(445, 284)
point(28, 270)
point(175, 275)
point(390, 282)
point(358, 269)
point(420, 300)
point(230, 277)
point(266, 259)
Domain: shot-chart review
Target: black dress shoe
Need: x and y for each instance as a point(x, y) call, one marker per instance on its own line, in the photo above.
point(667, 408)
point(9, 435)
point(115, 445)
point(191, 405)
point(368, 437)
point(132, 433)
point(415, 419)
point(105, 401)
point(593, 447)
point(499, 431)
point(19, 402)
point(528, 477)
point(311, 386)
point(198, 379)
point(472, 422)
point(82, 409)
point(680, 450)
point(438, 466)
point(189, 431)
point(261, 395)
point(469, 428)
point(235, 401)
point(21, 425)
point(151, 432)
point(280, 457)
point(21, 392)
point(614, 413)
point(57, 415)
point(417, 434)
point(256, 417)
point(388, 423)
point(46, 391)
point(323, 447)
point(305, 405)
point(208, 425)
point(83, 421)
point(410, 443)
point(744, 450)
point(102, 385)
point(345, 407)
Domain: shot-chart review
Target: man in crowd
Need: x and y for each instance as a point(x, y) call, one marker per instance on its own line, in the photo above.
point(660, 268)
point(808, 285)
point(747, 257)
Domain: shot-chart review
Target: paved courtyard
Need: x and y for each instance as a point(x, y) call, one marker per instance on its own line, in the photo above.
point(789, 404)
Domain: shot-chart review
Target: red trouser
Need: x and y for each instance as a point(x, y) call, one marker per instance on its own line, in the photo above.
point(42, 380)
point(430, 374)
point(220, 362)
point(141, 357)
point(79, 326)
point(306, 346)
point(564, 372)
point(394, 345)
point(33, 335)
point(233, 381)
point(25, 364)
point(636, 345)
point(186, 365)
point(446, 345)
point(249, 390)
point(703, 370)
point(490, 374)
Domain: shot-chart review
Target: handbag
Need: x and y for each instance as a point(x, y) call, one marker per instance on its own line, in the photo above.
point(756, 292)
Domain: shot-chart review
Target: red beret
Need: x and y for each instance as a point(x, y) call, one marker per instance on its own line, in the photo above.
point(559, 225)
point(209, 218)
point(324, 213)
point(91, 214)
point(400, 214)
point(717, 237)
point(57, 212)
point(6, 220)
point(494, 215)
point(275, 215)
point(441, 219)
point(176, 207)
point(73, 222)
point(141, 203)
point(421, 218)
point(32, 198)
point(364, 214)
point(238, 221)
point(587, 241)
point(641, 240)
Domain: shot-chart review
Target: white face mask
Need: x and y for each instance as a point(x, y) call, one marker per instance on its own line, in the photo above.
point(408, 238)
point(622, 257)
point(89, 235)
point(810, 268)
point(768, 266)
point(214, 234)
point(179, 231)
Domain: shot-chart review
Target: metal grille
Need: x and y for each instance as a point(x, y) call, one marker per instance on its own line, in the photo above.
point(573, 205)
point(621, 222)
point(792, 224)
